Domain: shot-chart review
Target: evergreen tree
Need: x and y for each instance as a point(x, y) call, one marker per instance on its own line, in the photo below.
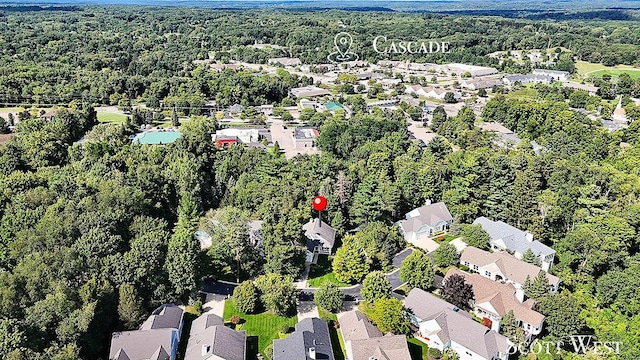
point(417, 270)
point(530, 257)
point(375, 286)
point(174, 118)
point(537, 288)
point(130, 310)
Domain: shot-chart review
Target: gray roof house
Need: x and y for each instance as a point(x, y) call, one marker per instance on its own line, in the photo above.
point(503, 236)
point(441, 325)
point(320, 239)
point(363, 341)
point(310, 341)
point(425, 221)
point(157, 338)
point(211, 339)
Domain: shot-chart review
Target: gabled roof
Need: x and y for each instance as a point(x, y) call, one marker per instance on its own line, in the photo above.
point(142, 344)
point(429, 215)
point(456, 326)
point(318, 228)
point(209, 336)
point(356, 326)
point(514, 239)
point(500, 297)
point(508, 266)
point(310, 333)
point(167, 316)
point(388, 347)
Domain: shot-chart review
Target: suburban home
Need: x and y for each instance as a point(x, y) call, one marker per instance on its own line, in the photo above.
point(157, 338)
point(363, 341)
point(210, 339)
point(310, 341)
point(285, 61)
point(504, 267)
point(304, 136)
point(503, 236)
point(430, 92)
point(441, 325)
point(473, 84)
point(425, 221)
point(320, 239)
point(308, 92)
point(554, 74)
point(493, 300)
point(527, 79)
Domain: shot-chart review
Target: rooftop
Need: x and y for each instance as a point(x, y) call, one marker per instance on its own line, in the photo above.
point(311, 334)
point(514, 239)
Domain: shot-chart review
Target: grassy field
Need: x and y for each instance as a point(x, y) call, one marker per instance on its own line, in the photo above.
point(265, 326)
point(322, 272)
point(587, 68)
point(112, 118)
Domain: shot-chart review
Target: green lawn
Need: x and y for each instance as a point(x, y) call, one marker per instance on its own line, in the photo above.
point(587, 68)
point(524, 93)
point(264, 326)
point(418, 349)
point(634, 74)
point(323, 272)
point(111, 118)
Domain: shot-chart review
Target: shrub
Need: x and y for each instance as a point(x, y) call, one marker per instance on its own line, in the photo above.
point(435, 353)
point(235, 319)
point(283, 328)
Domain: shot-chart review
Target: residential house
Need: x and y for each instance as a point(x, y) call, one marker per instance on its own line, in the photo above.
point(504, 267)
point(441, 325)
point(527, 79)
point(304, 136)
point(473, 84)
point(285, 61)
point(320, 239)
point(210, 339)
point(236, 109)
point(503, 236)
point(493, 300)
point(157, 338)
point(504, 137)
point(474, 70)
point(620, 114)
point(310, 341)
point(430, 92)
point(255, 235)
point(425, 221)
point(363, 341)
point(554, 74)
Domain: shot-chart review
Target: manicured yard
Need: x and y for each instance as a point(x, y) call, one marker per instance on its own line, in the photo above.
point(322, 272)
point(113, 118)
point(634, 74)
point(265, 326)
point(447, 238)
point(587, 68)
point(418, 349)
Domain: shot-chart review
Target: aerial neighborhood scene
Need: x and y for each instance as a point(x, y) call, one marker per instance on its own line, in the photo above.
point(306, 180)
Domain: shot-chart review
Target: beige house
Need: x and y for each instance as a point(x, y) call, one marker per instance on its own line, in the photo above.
point(363, 341)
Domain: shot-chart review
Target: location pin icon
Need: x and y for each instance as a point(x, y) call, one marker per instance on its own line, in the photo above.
point(343, 42)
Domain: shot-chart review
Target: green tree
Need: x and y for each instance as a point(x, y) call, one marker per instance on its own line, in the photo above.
point(285, 260)
point(476, 236)
point(349, 264)
point(4, 127)
point(562, 315)
point(375, 286)
point(246, 298)
point(438, 117)
point(509, 327)
point(456, 291)
point(530, 257)
point(537, 288)
point(482, 93)
point(183, 250)
point(174, 118)
point(417, 270)
point(390, 316)
point(130, 309)
point(277, 293)
point(450, 97)
point(446, 255)
point(329, 297)
point(11, 337)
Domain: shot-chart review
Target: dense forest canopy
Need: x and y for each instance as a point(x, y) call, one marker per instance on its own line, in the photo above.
point(87, 229)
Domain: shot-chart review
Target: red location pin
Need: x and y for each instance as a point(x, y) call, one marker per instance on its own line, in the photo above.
point(320, 203)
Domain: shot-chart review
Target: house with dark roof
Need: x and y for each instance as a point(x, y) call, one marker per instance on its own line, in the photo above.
point(493, 300)
point(442, 326)
point(503, 236)
point(363, 341)
point(157, 338)
point(320, 239)
point(310, 341)
point(210, 339)
point(556, 75)
point(425, 221)
point(504, 267)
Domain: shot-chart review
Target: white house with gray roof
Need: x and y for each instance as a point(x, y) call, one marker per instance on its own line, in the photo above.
point(425, 221)
point(157, 338)
point(320, 239)
point(310, 341)
point(210, 339)
point(503, 236)
point(443, 326)
point(555, 74)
